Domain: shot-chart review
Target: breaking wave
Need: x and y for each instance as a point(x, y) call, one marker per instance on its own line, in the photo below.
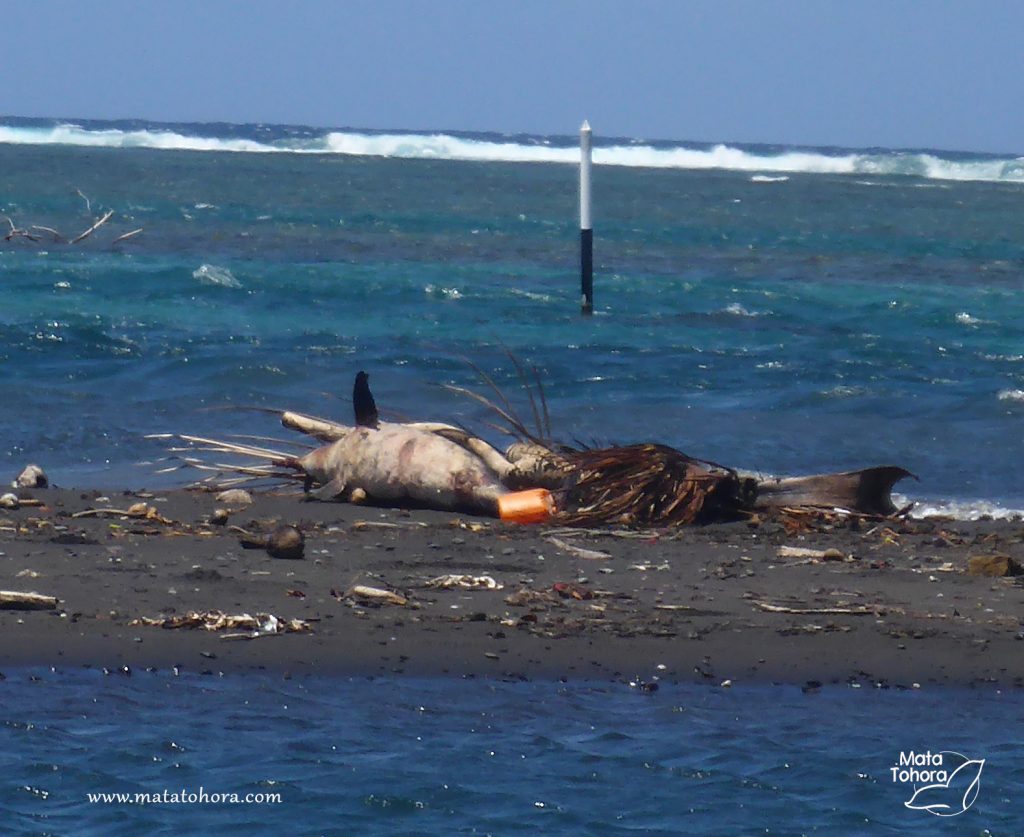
point(521, 149)
point(962, 510)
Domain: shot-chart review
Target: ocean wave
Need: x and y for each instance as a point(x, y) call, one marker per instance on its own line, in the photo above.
point(1011, 395)
point(770, 165)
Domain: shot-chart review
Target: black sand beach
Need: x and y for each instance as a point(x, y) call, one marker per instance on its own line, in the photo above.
point(889, 603)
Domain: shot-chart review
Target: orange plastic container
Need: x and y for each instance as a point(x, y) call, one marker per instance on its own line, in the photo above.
point(533, 506)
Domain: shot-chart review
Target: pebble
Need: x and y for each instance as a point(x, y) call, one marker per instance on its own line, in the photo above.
point(9, 501)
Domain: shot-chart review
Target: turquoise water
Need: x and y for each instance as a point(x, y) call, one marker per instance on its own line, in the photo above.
point(441, 756)
point(795, 321)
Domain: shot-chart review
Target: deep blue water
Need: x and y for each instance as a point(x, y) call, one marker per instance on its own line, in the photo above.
point(442, 756)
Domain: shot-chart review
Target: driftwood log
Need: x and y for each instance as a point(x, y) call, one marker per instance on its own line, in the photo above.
point(10, 600)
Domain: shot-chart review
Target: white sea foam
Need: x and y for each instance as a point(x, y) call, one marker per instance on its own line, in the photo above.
point(738, 310)
point(841, 391)
point(764, 178)
point(444, 293)
point(769, 166)
point(1011, 395)
point(530, 295)
point(210, 274)
point(959, 509)
point(966, 319)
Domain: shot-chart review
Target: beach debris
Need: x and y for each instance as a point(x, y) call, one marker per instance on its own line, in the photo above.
point(465, 582)
point(235, 498)
point(9, 501)
point(527, 596)
point(262, 624)
point(219, 517)
point(579, 551)
point(812, 554)
point(993, 566)
point(11, 600)
point(376, 595)
point(32, 477)
point(568, 590)
point(136, 510)
point(852, 610)
point(359, 525)
point(534, 505)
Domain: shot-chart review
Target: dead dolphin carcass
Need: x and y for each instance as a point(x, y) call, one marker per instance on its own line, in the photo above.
point(444, 467)
point(392, 464)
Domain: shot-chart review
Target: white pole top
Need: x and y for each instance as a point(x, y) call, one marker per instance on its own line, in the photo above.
point(585, 155)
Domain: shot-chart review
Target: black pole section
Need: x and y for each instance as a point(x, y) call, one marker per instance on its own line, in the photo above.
point(587, 269)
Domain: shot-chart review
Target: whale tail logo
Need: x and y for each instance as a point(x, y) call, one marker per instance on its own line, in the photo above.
point(955, 795)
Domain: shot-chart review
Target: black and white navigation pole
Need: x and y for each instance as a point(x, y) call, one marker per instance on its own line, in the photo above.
point(586, 226)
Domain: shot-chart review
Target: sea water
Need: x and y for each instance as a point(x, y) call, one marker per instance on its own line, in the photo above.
point(336, 756)
point(790, 310)
point(783, 310)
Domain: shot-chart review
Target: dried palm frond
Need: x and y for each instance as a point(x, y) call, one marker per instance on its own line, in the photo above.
point(647, 485)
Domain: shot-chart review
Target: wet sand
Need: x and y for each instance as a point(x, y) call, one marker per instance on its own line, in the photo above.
point(891, 604)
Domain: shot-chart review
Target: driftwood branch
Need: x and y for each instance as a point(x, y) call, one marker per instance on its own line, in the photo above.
point(9, 600)
point(857, 610)
point(56, 235)
point(99, 223)
point(35, 232)
point(127, 235)
point(88, 203)
point(17, 232)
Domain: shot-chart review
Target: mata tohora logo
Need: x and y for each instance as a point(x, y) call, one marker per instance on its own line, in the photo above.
point(945, 783)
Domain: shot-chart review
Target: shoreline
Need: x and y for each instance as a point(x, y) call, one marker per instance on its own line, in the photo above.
point(883, 603)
